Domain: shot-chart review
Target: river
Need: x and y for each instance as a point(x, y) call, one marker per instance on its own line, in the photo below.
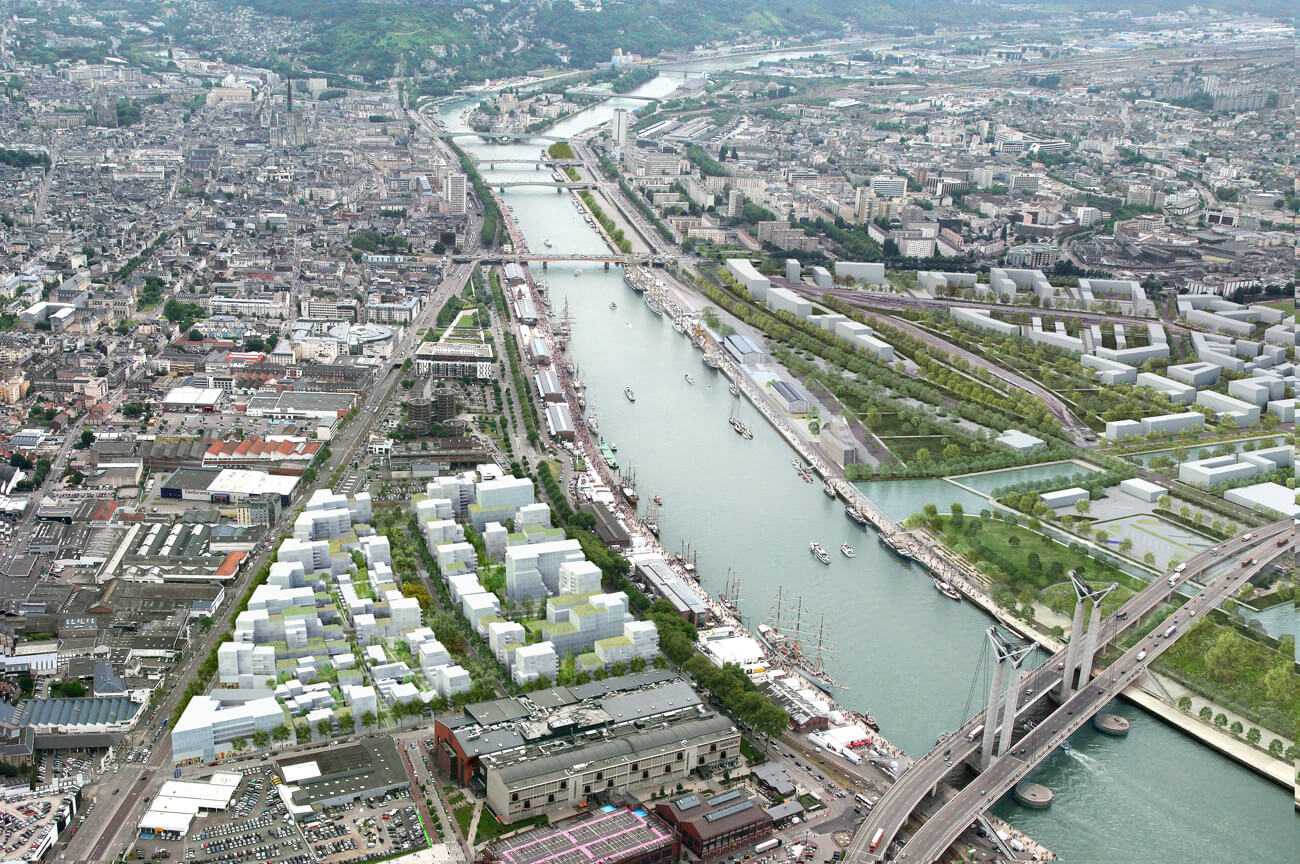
point(908, 655)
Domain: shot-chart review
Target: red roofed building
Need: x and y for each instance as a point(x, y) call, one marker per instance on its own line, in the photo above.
point(230, 566)
point(276, 454)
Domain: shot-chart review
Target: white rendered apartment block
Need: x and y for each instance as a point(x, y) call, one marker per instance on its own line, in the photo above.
point(579, 577)
point(457, 489)
point(450, 680)
point(534, 661)
point(533, 570)
point(639, 639)
point(478, 607)
point(312, 555)
point(431, 655)
point(460, 584)
point(499, 500)
point(504, 637)
point(376, 550)
point(452, 553)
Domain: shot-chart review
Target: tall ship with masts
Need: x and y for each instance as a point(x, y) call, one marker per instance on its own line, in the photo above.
point(797, 637)
point(730, 596)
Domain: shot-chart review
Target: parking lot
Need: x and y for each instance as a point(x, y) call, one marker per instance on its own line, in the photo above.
point(256, 828)
point(370, 828)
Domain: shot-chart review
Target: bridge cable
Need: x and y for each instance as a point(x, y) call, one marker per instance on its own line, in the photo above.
point(981, 666)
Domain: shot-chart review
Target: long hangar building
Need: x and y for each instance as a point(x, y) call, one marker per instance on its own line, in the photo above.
point(565, 746)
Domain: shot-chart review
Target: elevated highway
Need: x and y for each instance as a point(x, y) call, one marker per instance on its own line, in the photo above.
point(923, 778)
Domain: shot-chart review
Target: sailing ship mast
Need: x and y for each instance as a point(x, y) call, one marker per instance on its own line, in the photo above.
point(798, 641)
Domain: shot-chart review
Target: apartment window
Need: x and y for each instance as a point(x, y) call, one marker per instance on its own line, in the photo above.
point(713, 748)
point(681, 756)
point(550, 799)
point(600, 775)
point(514, 796)
point(645, 775)
point(609, 784)
point(564, 784)
point(586, 789)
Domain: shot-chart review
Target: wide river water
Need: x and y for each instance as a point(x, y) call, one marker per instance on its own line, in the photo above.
point(908, 655)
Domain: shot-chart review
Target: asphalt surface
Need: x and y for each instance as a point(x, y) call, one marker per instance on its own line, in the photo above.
point(897, 804)
point(105, 833)
point(940, 831)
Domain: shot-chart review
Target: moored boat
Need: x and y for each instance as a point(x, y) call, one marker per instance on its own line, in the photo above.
point(856, 516)
point(900, 550)
point(627, 391)
point(847, 551)
point(946, 590)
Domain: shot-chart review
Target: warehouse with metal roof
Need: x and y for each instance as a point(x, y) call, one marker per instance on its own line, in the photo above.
point(107, 714)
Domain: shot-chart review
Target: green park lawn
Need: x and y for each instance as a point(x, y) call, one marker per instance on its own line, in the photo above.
point(1026, 557)
point(1230, 669)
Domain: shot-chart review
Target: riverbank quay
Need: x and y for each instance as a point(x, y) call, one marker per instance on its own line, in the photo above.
point(909, 647)
point(880, 761)
point(945, 564)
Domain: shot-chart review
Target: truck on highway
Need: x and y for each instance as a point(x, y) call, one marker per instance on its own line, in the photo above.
point(876, 838)
point(974, 733)
point(1169, 631)
point(1142, 655)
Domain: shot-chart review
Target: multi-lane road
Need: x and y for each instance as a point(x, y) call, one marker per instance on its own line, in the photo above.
point(896, 806)
point(99, 837)
point(944, 827)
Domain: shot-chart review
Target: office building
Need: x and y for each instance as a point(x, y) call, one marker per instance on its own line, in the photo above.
point(208, 725)
point(713, 826)
point(531, 780)
point(622, 126)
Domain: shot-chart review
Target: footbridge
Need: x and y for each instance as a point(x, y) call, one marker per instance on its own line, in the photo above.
point(1000, 765)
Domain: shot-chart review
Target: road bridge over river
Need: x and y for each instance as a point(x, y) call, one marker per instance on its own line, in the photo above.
point(878, 838)
point(543, 258)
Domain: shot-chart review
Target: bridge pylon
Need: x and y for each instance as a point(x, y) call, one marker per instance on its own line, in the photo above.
point(1079, 653)
point(1005, 652)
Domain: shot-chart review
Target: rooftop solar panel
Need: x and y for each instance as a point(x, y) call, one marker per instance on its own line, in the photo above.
point(687, 802)
point(728, 811)
point(717, 800)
